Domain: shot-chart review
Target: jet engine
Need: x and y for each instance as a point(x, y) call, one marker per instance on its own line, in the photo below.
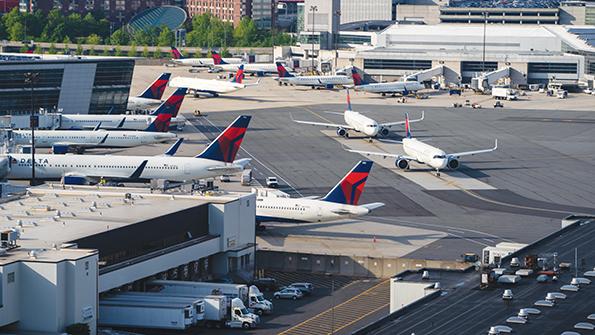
point(384, 131)
point(453, 164)
point(342, 132)
point(4, 166)
point(402, 164)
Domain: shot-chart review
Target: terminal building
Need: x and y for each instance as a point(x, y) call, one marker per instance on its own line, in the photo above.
point(62, 247)
point(70, 84)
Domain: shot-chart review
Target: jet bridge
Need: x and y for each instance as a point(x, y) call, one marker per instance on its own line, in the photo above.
point(445, 74)
point(485, 81)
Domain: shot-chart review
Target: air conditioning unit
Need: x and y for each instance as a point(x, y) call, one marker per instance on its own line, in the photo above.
point(8, 238)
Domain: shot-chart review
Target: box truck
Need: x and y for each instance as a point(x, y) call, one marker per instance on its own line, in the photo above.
point(504, 93)
point(138, 314)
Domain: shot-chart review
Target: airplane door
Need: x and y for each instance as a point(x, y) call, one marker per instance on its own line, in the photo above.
point(319, 214)
point(187, 168)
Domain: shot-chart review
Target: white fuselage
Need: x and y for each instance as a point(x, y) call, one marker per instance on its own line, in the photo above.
point(361, 123)
point(206, 85)
point(138, 103)
point(317, 80)
point(425, 153)
point(204, 62)
point(54, 167)
point(304, 210)
point(250, 68)
point(90, 121)
point(89, 138)
point(392, 87)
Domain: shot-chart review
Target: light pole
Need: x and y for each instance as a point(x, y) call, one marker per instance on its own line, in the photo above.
point(313, 10)
point(31, 78)
point(336, 38)
point(485, 22)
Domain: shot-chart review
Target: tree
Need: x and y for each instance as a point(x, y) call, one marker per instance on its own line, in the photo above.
point(106, 52)
point(38, 49)
point(157, 53)
point(245, 33)
point(94, 39)
point(119, 37)
point(79, 49)
point(146, 53)
point(166, 37)
point(16, 32)
point(118, 51)
point(52, 49)
point(132, 50)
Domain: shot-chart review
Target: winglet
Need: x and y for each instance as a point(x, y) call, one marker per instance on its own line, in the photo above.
point(407, 126)
point(139, 170)
point(103, 139)
point(351, 187)
point(121, 124)
point(225, 147)
point(174, 148)
point(348, 101)
point(496, 144)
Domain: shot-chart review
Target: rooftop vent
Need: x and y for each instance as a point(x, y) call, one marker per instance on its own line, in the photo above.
point(544, 303)
point(516, 319)
point(584, 325)
point(499, 330)
point(571, 288)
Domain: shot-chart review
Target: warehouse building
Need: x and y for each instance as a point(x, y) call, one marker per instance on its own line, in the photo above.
point(61, 247)
point(72, 84)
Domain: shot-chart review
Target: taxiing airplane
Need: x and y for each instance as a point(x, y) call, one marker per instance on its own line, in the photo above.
point(287, 78)
point(340, 203)
point(216, 160)
point(178, 58)
point(79, 140)
point(401, 87)
point(418, 151)
point(150, 98)
point(359, 123)
point(259, 69)
point(129, 122)
point(212, 87)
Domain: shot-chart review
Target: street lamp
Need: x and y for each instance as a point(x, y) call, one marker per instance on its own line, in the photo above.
point(32, 78)
point(485, 22)
point(313, 10)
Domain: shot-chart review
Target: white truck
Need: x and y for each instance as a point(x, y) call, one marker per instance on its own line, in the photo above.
point(504, 93)
point(251, 296)
point(138, 314)
point(197, 303)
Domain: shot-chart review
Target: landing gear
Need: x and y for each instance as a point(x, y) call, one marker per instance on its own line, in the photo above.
point(437, 173)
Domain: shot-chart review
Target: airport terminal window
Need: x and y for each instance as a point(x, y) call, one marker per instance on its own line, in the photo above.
point(21, 103)
point(591, 68)
point(397, 64)
point(569, 68)
point(104, 98)
point(354, 39)
point(114, 73)
point(15, 79)
point(478, 66)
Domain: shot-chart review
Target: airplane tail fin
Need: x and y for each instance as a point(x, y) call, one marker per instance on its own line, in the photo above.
point(156, 89)
point(161, 121)
point(239, 76)
point(282, 71)
point(357, 77)
point(407, 126)
point(176, 54)
point(217, 59)
point(172, 104)
point(226, 146)
point(348, 101)
point(351, 187)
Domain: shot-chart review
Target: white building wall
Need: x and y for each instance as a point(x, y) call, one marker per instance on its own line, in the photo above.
point(363, 10)
point(81, 292)
point(77, 87)
point(405, 293)
point(9, 311)
point(41, 308)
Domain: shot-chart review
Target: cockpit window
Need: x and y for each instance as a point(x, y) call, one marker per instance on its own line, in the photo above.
point(372, 125)
point(440, 157)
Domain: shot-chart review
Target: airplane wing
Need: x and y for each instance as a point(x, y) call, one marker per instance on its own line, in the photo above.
point(312, 197)
point(254, 84)
point(196, 84)
point(382, 154)
point(470, 153)
point(121, 176)
point(322, 124)
point(390, 124)
point(373, 206)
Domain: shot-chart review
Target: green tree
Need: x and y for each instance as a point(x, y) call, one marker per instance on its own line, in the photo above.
point(146, 53)
point(245, 33)
point(94, 39)
point(157, 53)
point(118, 51)
point(166, 37)
point(55, 28)
point(106, 52)
point(132, 50)
point(79, 49)
point(38, 49)
point(52, 49)
point(92, 51)
point(16, 32)
point(119, 37)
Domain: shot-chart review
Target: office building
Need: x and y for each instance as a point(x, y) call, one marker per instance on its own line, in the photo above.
point(226, 10)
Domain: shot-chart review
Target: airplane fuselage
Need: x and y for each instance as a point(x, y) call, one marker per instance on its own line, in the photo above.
point(89, 138)
point(392, 87)
point(361, 123)
point(54, 167)
point(138, 103)
point(317, 80)
point(425, 153)
point(90, 121)
point(206, 85)
point(304, 210)
point(204, 62)
point(250, 68)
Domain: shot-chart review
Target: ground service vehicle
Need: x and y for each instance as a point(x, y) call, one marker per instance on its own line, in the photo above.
point(259, 304)
point(504, 93)
point(138, 314)
point(272, 182)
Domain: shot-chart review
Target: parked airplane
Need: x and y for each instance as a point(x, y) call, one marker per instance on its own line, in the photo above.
point(402, 87)
point(312, 81)
point(212, 86)
point(359, 123)
point(79, 140)
point(216, 160)
point(178, 58)
point(340, 203)
point(416, 150)
point(150, 98)
point(130, 122)
point(260, 69)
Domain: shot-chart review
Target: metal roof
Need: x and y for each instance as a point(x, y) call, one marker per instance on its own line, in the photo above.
point(170, 16)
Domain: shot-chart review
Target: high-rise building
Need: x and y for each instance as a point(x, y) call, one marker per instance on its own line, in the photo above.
point(7, 5)
point(226, 10)
point(262, 13)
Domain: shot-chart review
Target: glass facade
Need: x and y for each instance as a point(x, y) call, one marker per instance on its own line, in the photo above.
point(354, 39)
point(569, 68)
point(478, 66)
point(110, 88)
point(397, 64)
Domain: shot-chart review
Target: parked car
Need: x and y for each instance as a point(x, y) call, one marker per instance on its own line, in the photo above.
point(288, 293)
point(266, 284)
point(306, 288)
point(272, 182)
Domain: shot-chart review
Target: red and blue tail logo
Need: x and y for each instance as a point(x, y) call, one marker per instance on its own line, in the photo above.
point(349, 101)
point(239, 75)
point(176, 54)
point(160, 123)
point(351, 187)
point(407, 126)
point(157, 88)
point(226, 146)
point(217, 59)
point(282, 71)
point(172, 104)
point(357, 78)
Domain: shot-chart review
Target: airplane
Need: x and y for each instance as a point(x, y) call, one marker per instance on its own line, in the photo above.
point(312, 81)
point(340, 203)
point(128, 122)
point(359, 123)
point(79, 140)
point(178, 58)
point(402, 87)
point(260, 69)
point(418, 151)
point(216, 160)
point(212, 87)
point(150, 98)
